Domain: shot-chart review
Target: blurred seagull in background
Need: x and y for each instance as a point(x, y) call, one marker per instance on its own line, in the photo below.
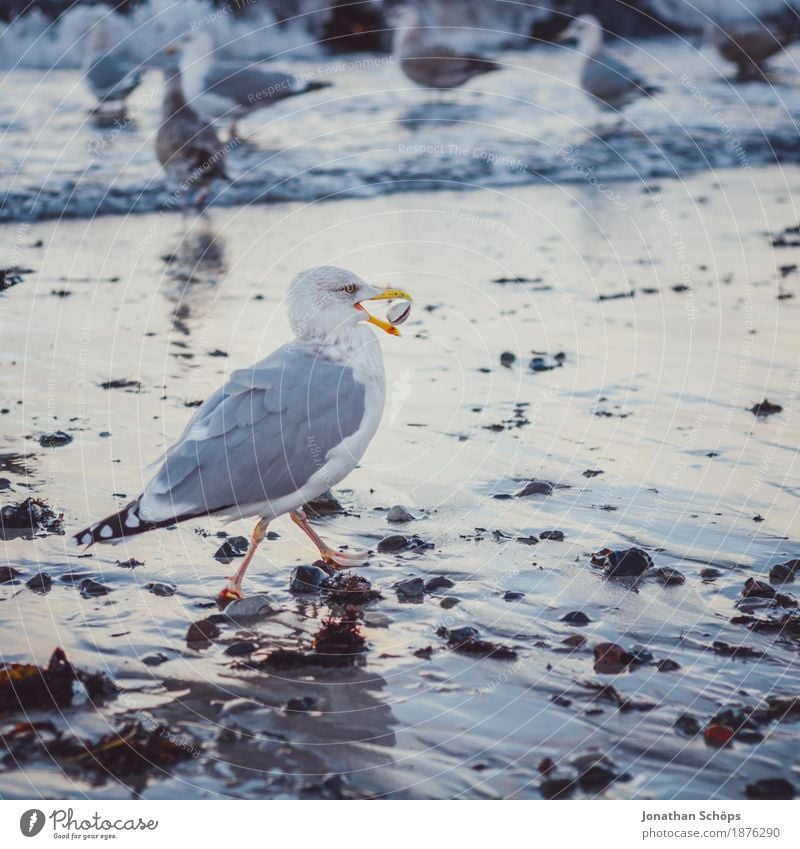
point(749, 43)
point(428, 62)
point(110, 78)
point(608, 81)
point(187, 147)
point(218, 89)
point(279, 433)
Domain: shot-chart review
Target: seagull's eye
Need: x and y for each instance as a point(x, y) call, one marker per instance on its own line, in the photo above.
point(350, 288)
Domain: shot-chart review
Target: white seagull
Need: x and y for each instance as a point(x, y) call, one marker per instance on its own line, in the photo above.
point(279, 433)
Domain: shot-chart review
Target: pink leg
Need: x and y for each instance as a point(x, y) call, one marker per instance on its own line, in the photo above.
point(233, 589)
point(328, 554)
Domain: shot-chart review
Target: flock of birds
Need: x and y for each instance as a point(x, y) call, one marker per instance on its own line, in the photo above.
point(280, 433)
point(201, 89)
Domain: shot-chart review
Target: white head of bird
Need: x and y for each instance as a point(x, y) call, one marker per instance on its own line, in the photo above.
point(586, 32)
point(327, 303)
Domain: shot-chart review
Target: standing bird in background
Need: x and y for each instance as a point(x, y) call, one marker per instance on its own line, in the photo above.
point(279, 433)
point(428, 62)
point(189, 149)
point(608, 81)
point(218, 89)
point(110, 78)
point(749, 43)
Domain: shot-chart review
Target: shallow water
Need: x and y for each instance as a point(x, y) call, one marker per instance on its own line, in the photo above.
point(373, 132)
point(675, 371)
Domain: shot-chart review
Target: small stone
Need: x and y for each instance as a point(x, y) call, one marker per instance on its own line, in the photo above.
point(597, 778)
point(40, 583)
point(448, 602)
point(557, 788)
point(765, 408)
point(155, 659)
point(250, 607)
point(536, 487)
point(531, 540)
point(398, 514)
point(667, 665)
point(438, 583)
point(301, 705)
point(629, 562)
point(718, 736)
point(307, 579)
point(325, 505)
point(555, 536)
point(771, 788)
point(710, 573)
point(512, 595)
point(131, 563)
point(89, 588)
point(55, 439)
point(458, 635)
point(670, 577)
point(507, 359)
point(784, 572)
point(232, 547)
point(373, 619)
point(394, 542)
point(592, 473)
point(641, 654)
point(161, 588)
point(574, 641)
point(576, 617)
point(240, 648)
point(757, 589)
point(688, 725)
point(414, 588)
point(8, 574)
point(610, 659)
point(202, 631)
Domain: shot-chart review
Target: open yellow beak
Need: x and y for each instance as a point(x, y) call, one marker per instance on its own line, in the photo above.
point(385, 295)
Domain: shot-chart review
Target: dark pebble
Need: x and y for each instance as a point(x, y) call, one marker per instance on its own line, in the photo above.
point(326, 505)
point(592, 473)
point(89, 588)
point(449, 602)
point(398, 514)
point(438, 583)
point(784, 572)
point(555, 536)
point(670, 577)
point(610, 659)
point(597, 778)
point(709, 573)
point(557, 788)
point(507, 359)
point(627, 563)
point(757, 589)
point(458, 635)
point(688, 725)
point(765, 408)
point(576, 617)
point(155, 659)
point(8, 574)
point(771, 788)
point(307, 579)
point(40, 583)
point(413, 588)
point(301, 705)
point(667, 665)
point(202, 631)
point(394, 542)
point(512, 595)
point(131, 563)
point(231, 548)
point(531, 540)
point(241, 648)
point(641, 654)
point(55, 439)
point(161, 588)
point(535, 487)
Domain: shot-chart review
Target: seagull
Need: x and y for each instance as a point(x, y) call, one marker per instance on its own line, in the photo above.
point(609, 82)
point(431, 64)
point(109, 77)
point(749, 43)
point(279, 433)
point(189, 149)
point(219, 89)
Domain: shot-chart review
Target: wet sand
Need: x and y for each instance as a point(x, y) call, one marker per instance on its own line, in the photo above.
point(651, 394)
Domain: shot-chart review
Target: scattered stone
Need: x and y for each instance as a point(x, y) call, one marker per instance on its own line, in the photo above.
point(121, 384)
point(307, 579)
point(718, 736)
point(161, 588)
point(710, 573)
point(89, 588)
point(555, 536)
point(536, 487)
point(346, 588)
point(765, 408)
point(576, 617)
point(592, 473)
point(610, 659)
point(251, 607)
point(230, 549)
point(641, 654)
point(629, 562)
point(8, 574)
point(757, 589)
point(531, 540)
point(325, 505)
point(667, 665)
point(449, 602)
point(424, 654)
point(241, 648)
point(202, 631)
point(507, 359)
point(438, 583)
point(398, 542)
point(398, 514)
point(41, 583)
point(301, 705)
point(544, 362)
point(728, 650)
point(557, 788)
point(688, 725)
point(784, 572)
point(155, 659)
point(574, 641)
point(414, 588)
point(771, 788)
point(55, 439)
point(511, 595)
point(11, 277)
point(131, 563)
point(670, 577)
point(373, 619)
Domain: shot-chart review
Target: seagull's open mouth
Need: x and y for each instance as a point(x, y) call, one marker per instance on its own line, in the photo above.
point(385, 295)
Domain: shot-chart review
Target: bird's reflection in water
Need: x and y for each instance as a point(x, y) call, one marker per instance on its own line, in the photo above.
point(437, 113)
point(193, 269)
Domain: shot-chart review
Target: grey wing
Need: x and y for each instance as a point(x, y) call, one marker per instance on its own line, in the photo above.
point(110, 75)
point(259, 438)
point(608, 78)
point(249, 86)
